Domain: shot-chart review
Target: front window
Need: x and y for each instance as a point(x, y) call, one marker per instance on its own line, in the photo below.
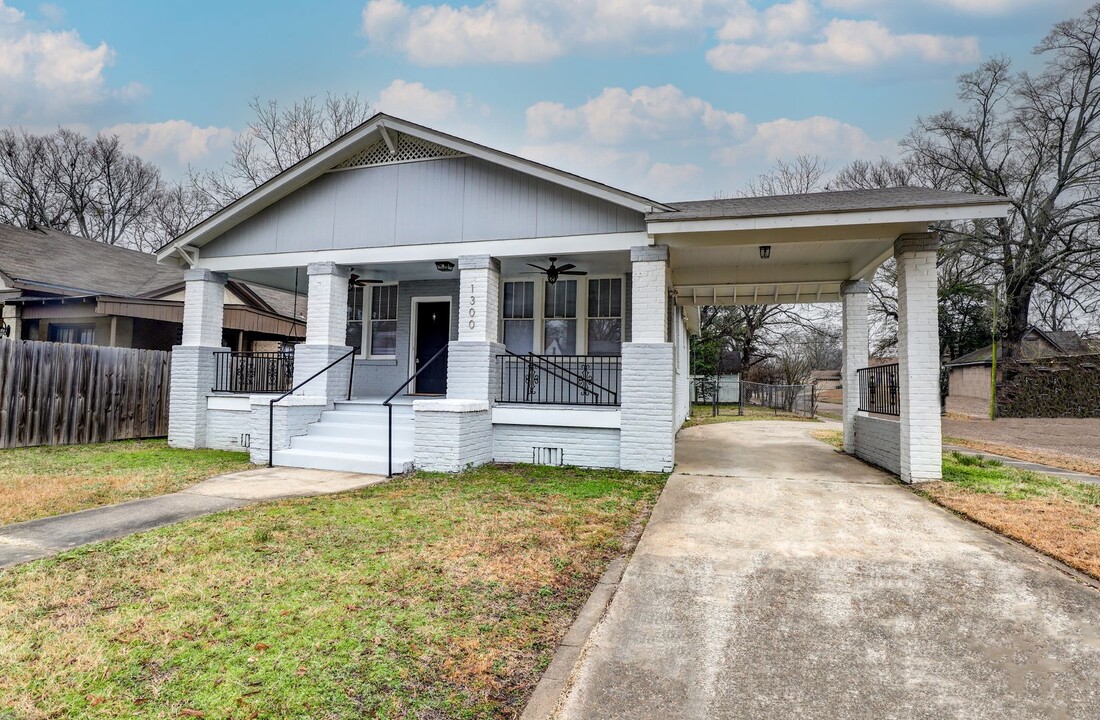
point(519, 317)
point(605, 316)
point(560, 318)
point(76, 333)
point(383, 321)
point(354, 336)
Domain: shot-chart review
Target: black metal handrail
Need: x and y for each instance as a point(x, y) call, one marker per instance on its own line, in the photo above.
point(879, 389)
point(271, 405)
point(388, 402)
point(584, 381)
point(253, 372)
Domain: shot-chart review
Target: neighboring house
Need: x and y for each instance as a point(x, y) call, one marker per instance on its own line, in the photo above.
point(58, 287)
point(823, 380)
point(969, 375)
point(519, 313)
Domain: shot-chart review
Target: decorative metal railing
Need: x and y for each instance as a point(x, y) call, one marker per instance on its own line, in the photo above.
point(560, 379)
point(878, 390)
point(253, 372)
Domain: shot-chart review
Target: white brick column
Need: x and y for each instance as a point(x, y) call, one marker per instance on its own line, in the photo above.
point(856, 342)
point(649, 294)
point(479, 314)
point(648, 394)
point(919, 358)
point(326, 333)
point(193, 360)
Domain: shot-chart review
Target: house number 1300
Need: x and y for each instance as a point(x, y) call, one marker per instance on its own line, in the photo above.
point(473, 302)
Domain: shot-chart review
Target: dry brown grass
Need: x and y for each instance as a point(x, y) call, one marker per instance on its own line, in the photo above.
point(1065, 530)
point(43, 481)
point(1065, 462)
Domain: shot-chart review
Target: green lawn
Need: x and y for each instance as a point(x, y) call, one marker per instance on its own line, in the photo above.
point(432, 596)
point(701, 414)
point(41, 481)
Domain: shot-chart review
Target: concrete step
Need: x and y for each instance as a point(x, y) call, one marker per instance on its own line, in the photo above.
point(351, 417)
point(362, 446)
point(374, 409)
point(344, 462)
point(360, 431)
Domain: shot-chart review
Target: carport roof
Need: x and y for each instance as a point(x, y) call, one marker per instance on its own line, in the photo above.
point(838, 201)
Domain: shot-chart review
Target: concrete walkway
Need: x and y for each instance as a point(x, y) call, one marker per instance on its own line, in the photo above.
point(778, 578)
point(36, 539)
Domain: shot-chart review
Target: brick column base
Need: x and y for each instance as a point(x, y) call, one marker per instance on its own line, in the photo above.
point(647, 438)
point(333, 384)
point(452, 435)
point(192, 381)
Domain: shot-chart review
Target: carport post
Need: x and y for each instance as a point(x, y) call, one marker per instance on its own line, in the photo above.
point(853, 295)
point(921, 445)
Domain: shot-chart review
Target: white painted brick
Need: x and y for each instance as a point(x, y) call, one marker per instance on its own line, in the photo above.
point(856, 354)
point(649, 294)
point(225, 428)
point(479, 299)
point(584, 447)
point(192, 379)
point(648, 403)
point(327, 310)
point(203, 308)
point(447, 441)
point(921, 444)
point(878, 441)
point(290, 418)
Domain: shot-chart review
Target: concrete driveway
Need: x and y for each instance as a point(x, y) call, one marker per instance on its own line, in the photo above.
point(780, 579)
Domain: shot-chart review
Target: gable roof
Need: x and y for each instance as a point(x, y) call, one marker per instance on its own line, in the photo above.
point(1064, 342)
point(355, 141)
point(837, 201)
point(55, 263)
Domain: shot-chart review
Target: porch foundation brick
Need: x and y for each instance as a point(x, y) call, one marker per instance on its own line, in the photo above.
point(193, 374)
point(452, 435)
point(327, 310)
point(856, 339)
point(473, 371)
point(333, 383)
point(878, 441)
point(479, 298)
point(649, 294)
point(921, 444)
point(291, 417)
point(203, 308)
point(226, 429)
point(647, 439)
point(584, 447)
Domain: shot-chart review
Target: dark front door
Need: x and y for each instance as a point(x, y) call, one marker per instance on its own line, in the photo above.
point(433, 332)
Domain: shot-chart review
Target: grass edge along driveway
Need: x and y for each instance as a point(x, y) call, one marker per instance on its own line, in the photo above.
point(39, 482)
point(1058, 517)
point(435, 596)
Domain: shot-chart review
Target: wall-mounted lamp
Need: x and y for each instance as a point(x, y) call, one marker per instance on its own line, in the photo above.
point(444, 265)
point(765, 252)
point(5, 330)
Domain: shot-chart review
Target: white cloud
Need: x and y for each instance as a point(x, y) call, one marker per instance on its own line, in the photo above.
point(44, 73)
point(413, 101)
point(525, 31)
point(843, 45)
point(658, 141)
point(616, 116)
point(174, 142)
point(966, 7)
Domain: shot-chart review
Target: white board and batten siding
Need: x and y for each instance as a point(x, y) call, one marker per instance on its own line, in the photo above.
point(446, 200)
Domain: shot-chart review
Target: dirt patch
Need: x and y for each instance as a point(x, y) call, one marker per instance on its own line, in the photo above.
point(1059, 528)
point(1065, 462)
point(1072, 439)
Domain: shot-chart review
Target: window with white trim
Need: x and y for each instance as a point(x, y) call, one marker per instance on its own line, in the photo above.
point(518, 314)
point(383, 321)
point(560, 318)
point(605, 316)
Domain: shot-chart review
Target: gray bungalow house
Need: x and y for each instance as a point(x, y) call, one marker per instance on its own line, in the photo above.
point(512, 312)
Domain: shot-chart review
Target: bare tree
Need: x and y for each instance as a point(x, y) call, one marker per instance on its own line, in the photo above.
point(1033, 139)
point(805, 174)
point(278, 137)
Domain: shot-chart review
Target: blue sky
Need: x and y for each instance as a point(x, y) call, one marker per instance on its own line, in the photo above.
point(675, 99)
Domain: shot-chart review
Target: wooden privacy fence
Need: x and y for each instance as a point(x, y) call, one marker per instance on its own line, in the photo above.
point(62, 394)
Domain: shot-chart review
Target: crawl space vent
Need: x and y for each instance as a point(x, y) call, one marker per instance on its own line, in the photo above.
point(546, 456)
point(409, 149)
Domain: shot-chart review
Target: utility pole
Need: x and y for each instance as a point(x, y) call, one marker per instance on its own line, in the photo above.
point(993, 371)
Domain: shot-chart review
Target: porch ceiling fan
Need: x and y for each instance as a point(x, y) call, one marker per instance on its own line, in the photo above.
point(554, 271)
point(361, 281)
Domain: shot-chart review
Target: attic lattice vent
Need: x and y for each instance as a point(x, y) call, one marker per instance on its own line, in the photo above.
point(409, 149)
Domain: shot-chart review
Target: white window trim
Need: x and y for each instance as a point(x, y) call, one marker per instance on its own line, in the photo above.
point(582, 308)
point(368, 307)
point(412, 328)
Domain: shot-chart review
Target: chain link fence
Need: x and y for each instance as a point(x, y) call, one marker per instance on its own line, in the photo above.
point(793, 399)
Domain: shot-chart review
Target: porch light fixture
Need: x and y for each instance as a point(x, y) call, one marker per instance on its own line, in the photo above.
point(444, 265)
point(765, 252)
point(5, 330)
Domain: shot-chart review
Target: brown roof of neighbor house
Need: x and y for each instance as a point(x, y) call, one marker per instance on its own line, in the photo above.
point(56, 263)
point(824, 375)
point(838, 201)
point(1064, 342)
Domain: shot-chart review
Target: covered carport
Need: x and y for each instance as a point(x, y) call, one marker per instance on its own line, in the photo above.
point(825, 247)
